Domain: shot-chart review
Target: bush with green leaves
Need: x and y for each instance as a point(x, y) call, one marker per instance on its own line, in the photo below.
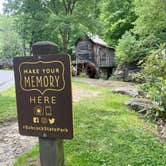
point(125, 50)
point(154, 73)
point(132, 49)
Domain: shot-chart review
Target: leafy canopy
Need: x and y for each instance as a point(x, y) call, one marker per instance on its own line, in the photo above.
point(10, 44)
point(60, 21)
point(117, 17)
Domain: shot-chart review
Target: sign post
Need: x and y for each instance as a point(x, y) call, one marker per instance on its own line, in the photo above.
point(44, 100)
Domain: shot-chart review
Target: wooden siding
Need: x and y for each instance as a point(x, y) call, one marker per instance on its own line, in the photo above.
point(100, 55)
point(84, 51)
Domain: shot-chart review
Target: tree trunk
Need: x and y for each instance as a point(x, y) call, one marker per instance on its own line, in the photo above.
point(65, 41)
point(23, 44)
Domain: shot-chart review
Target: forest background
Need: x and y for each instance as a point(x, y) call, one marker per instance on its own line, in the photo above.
point(133, 27)
point(136, 28)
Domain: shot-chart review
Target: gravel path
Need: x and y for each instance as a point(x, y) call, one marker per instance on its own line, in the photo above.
point(13, 144)
point(109, 83)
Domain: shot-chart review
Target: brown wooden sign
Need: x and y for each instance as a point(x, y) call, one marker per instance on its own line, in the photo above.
point(44, 98)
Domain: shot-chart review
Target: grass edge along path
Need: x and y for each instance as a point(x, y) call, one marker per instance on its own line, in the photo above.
point(7, 104)
point(108, 134)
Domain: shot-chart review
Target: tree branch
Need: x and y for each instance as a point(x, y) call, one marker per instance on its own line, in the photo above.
point(54, 6)
point(65, 6)
point(72, 6)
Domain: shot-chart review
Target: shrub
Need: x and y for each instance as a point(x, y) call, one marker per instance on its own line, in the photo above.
point(125, 50)
point(154, 73)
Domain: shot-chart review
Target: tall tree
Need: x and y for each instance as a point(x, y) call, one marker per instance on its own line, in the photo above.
point(71, 18)
point(10, 44)
point(151, 18)
point(30, 19)
point(149, 31)
point(117, 16)
point(55, 20)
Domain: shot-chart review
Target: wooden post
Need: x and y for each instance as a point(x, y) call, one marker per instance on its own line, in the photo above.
point(51, 150)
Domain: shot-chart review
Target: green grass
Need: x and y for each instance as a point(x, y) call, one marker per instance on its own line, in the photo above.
point(90, 87)
point(28, 158)
point(108, 134)
point(83, 75)
point(7, 104)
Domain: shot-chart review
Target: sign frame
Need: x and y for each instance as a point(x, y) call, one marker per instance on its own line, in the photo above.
point(61, 105)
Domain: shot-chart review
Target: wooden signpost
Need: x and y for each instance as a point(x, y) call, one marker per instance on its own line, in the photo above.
point(44, 100)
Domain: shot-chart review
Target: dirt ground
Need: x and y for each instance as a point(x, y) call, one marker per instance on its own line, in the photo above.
point(109, 83)
point(78, 94)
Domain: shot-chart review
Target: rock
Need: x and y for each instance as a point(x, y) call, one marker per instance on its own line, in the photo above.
point(142, 94)
point(118, 74)
point(74, 71)
point(129, 92)
point(161, 128)
point(140, 104)
point(129, 74)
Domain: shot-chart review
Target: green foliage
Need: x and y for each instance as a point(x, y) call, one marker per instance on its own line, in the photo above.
point(151, 18)
point(125, 50)
point(32, 154)
point(148, 31)
point(30, 18)
point(117, 17)
point(10, 44)
point(59, 21)
point(68, 22)
point(155, 113)
point(131, 49)
point(155, 77)
point(8, 104)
